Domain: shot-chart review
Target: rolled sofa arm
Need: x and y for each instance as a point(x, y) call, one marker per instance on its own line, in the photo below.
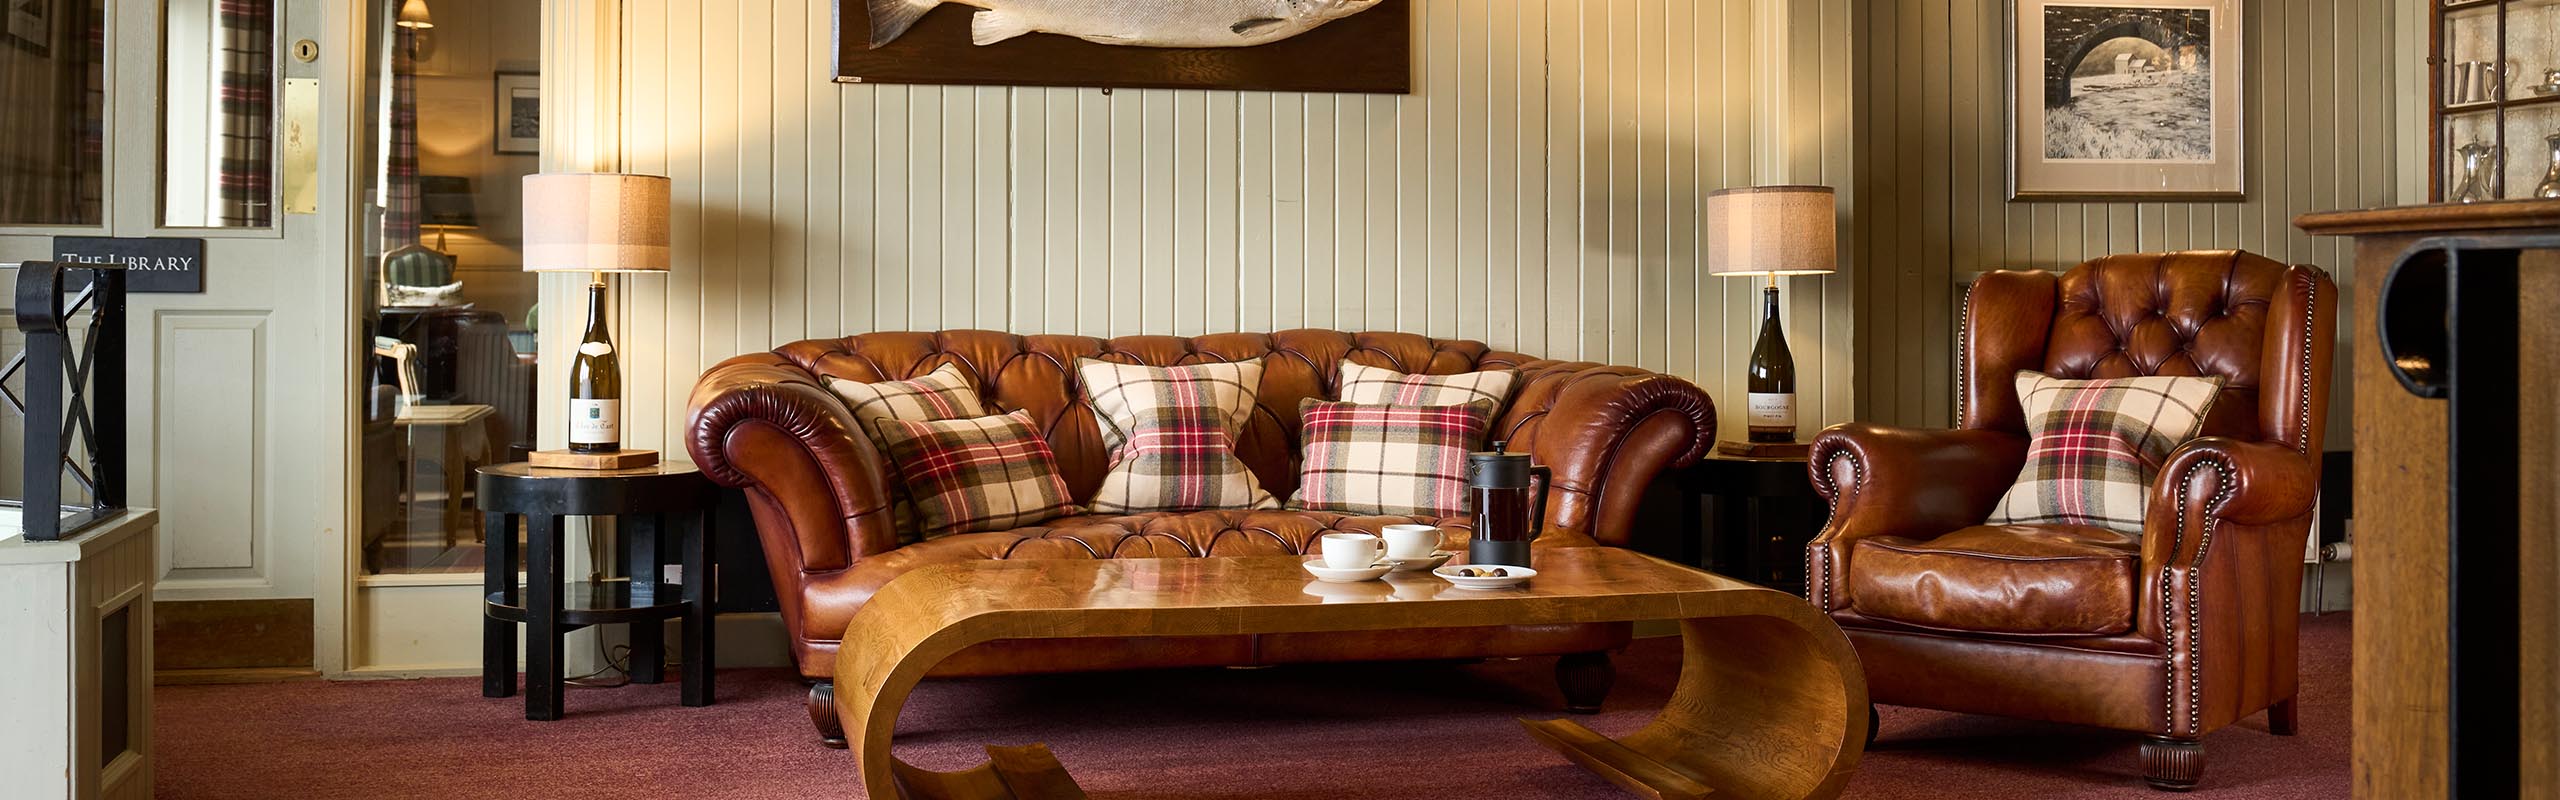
point(1606, 432)
point(817, 486)
point(1887, 481)
point(2248, 483)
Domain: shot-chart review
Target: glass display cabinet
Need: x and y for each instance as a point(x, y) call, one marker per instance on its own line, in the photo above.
point(2495, 101)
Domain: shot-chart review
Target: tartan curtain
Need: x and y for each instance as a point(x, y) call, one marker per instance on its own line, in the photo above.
point(248, 112)
point(401, 211)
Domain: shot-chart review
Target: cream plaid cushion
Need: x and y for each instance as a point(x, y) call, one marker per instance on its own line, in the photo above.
point(942, 394)
point(1388, 459)
point(1172, 434)
point(2099, 445)
point(984, 474)
point(1375, 386)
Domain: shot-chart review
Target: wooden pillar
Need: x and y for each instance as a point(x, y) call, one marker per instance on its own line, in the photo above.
point(2401, 473)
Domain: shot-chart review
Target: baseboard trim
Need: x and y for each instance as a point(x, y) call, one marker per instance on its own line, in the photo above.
point(196, 635)
point(210, 677)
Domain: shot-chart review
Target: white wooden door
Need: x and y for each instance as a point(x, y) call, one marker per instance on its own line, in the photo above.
point(239, 417)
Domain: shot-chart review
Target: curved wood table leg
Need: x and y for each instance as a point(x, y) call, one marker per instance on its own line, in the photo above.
point(1768, 706)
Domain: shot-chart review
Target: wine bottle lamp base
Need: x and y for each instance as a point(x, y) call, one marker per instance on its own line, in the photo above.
point(1766, 232)
point(596, 223)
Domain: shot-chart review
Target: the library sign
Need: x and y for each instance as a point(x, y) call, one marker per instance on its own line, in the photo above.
point(162, 266)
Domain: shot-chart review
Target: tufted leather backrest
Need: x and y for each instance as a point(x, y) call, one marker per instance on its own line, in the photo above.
point(2228, 313)
point(1037, 373)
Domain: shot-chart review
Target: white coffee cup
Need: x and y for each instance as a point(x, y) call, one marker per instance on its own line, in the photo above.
point(1411, 541)
point(1351, 550)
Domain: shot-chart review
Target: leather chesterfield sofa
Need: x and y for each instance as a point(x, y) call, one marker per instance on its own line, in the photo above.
point(820, 493)
point(2181, 630)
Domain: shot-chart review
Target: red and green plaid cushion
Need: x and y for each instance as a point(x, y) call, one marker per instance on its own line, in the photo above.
point(1172, 432)
point(1388, 459)
point(985, 474)
point(2099, 445)
point(942, 394)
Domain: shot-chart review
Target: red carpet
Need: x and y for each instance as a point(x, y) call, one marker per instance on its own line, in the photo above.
point(1400, 731)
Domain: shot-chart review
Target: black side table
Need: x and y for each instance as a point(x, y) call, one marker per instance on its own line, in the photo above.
point(1755, 516)
point(645, 501)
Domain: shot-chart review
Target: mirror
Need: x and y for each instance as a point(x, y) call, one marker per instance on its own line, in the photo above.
point(218, 114)
point(53, 90)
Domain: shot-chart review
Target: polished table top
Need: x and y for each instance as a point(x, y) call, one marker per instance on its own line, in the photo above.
point(1274, 593)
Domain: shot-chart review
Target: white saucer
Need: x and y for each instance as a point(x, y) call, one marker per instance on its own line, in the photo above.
point(1516, 576)
point(1432, 561)
point(1330, 575)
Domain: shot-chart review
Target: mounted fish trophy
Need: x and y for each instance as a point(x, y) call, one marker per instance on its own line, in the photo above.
point(1273, 45)
point(1209, 23)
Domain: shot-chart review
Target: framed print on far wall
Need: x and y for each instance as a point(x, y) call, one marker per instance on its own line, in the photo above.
point(2125, 100)
point(519, 102)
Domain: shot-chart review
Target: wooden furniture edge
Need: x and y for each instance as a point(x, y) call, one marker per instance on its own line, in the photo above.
point(1708, 735)
point(2432, 218)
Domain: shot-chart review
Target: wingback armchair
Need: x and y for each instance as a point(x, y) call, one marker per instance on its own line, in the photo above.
point(2173, 633)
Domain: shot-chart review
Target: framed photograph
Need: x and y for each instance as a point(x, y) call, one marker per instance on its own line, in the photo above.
point(2125, 100)
point(519, 102)
point(29, 25)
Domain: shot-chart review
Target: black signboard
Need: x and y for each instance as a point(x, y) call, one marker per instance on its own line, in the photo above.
point(162, 266)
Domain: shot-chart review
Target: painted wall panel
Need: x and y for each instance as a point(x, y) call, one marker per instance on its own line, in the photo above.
point(1541, 190)
point(1932, 206)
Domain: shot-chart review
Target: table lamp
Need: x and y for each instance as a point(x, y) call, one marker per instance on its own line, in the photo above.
point(1771, 231)
point(596, 223)
point(447, 203)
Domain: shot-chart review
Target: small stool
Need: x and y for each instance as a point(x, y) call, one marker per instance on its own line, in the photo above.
point(645, 500)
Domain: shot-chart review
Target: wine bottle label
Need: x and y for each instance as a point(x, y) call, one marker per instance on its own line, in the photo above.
point(1773, 410)
point(595, 349)
point(595, 421)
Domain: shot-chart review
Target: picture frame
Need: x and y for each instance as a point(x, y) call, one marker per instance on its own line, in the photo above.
point(29, 25)
point(2126, 100)
point(1368, 52)
point(517, 96)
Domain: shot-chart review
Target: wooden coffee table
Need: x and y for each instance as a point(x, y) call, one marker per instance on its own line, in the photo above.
point(1771, 702)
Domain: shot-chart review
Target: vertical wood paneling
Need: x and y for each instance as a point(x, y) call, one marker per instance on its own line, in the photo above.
point(1930, 206)
point(1540, 190)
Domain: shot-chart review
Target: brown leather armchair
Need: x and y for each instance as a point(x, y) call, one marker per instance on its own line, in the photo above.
point(766, 423)
point(2175, 633)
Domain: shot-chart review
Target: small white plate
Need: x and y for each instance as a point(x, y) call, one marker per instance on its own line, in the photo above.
point(1432, 561)
point(1331, 575)
point(1513, 576)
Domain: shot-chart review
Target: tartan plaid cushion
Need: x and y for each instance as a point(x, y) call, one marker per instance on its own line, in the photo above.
point(984, 474)
point(2099, 445)
point(941, 394)
point(1365, 384)
point(1171, 432)
point(1388, 459)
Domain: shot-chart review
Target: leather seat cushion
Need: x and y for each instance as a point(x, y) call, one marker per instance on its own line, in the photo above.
point(2059, 580)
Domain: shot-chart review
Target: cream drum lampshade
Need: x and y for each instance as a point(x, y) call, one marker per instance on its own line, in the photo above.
point(1772, 230)
point(596, 222)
